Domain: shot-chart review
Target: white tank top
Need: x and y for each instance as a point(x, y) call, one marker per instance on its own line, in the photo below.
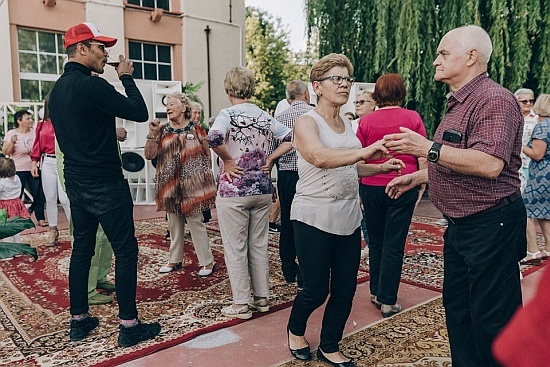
point(328, 199)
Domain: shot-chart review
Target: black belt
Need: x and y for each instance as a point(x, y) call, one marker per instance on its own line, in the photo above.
point(50, 155)
point(501, 204)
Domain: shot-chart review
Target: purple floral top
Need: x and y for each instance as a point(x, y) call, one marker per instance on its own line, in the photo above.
point(245, 128)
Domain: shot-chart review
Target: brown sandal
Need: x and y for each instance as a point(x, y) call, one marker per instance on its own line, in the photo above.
point(43, 223)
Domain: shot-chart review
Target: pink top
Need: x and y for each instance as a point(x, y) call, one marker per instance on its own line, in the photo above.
point(373, 127)
point(44, 141)
point(22, 149)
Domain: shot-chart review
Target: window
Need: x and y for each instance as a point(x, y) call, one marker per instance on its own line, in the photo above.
point(41, 56)
point(151, 62)
point(163, 4)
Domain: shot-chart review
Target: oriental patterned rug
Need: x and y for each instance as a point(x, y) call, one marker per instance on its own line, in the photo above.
point(34, 299)
point(416, 337)
point(423, 260)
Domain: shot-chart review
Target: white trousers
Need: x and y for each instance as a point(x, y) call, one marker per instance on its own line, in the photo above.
point(198, 236)
point(53, 190)
point(244, 226)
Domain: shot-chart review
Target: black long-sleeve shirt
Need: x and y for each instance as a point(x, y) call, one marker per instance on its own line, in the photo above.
point(83, 109)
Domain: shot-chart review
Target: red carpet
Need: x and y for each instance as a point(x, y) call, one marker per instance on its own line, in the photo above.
point(423, 262)
point(34, 299)
point(34, 302)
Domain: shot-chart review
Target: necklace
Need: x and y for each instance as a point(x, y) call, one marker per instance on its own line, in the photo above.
point(181, 130)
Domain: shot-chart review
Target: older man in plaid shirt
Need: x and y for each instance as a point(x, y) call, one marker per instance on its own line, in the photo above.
point(287, 177)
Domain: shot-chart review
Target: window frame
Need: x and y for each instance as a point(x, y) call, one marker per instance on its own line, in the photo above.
point(38, 53)
point(157, 63)
point(147, 7)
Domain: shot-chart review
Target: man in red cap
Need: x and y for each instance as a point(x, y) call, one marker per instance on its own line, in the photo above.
point(83, 110)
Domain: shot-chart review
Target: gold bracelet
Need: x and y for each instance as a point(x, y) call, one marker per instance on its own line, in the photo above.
point(124, 73)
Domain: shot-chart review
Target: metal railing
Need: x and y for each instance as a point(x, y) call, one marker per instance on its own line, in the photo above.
point(9, 108)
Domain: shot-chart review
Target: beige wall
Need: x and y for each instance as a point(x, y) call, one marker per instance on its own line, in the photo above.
point(226, 44)
point(6, 69)
point(167, 31)
point(183, 27)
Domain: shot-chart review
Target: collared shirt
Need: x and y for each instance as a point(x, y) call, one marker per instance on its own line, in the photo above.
point(288, 161)
point(489, 119)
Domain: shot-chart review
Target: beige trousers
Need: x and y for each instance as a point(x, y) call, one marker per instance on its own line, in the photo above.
point(244, 226)
point(198, 236)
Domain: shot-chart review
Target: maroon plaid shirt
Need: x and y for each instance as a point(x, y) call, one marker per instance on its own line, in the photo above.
point(289, 160)
point(489, 118)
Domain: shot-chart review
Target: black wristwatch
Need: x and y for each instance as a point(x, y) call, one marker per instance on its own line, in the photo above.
point(433, 153)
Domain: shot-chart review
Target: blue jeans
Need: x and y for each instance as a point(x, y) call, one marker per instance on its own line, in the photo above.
point(481, 287)
point(328, 262)
point(109, 204)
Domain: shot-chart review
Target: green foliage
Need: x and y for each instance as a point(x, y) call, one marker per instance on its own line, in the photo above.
point(401, 36)
point(191, 91)
point(268, 55)
point(9, 227)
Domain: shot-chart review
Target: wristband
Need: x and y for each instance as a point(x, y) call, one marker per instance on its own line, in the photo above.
point(124, 73)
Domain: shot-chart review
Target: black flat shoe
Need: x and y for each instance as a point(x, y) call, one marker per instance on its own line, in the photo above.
point(303, 354)
point(322, 357)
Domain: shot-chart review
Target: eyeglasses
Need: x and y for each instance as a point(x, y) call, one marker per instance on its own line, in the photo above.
point(337, 79)
point(525, 101)
point(101, 46)
point(362, 102)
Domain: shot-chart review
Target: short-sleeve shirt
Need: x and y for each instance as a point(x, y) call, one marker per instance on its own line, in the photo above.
point(489, 119)
point(245, 128)
point(288, 161)
point(384, 121)
point(22, 149)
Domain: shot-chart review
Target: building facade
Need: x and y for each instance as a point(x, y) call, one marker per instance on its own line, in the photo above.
point(192, 41)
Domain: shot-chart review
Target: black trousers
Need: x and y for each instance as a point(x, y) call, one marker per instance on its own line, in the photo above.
point(481, 288)
point(109, 204)
point(388, 222)
point(286, 187)
point(328, 262)
point(35, 188)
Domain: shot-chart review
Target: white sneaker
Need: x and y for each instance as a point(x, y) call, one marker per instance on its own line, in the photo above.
point(442, 222)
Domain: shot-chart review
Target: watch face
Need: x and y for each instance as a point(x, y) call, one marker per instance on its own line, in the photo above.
point(433, 155)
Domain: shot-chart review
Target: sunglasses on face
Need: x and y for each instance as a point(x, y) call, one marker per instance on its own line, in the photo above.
point(101, 46)
point(525, 101)
point(362, 102)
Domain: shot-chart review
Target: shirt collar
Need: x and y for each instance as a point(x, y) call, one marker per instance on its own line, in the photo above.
point(467, 89)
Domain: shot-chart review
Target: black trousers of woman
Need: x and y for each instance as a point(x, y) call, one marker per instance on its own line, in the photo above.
point(328, 262)
point(388, 222)
point(35, 188)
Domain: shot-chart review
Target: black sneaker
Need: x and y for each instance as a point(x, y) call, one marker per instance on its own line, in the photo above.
point(274, 227)
point(129, 336)
point(81, 328)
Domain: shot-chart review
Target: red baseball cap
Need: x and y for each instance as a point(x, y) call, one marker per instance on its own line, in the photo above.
point(84, 32)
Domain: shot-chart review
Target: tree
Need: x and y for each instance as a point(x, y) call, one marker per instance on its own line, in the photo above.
point(268, 55)
point(401, 36)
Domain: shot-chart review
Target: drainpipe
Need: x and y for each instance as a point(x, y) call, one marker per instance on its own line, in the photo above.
point(207, 31)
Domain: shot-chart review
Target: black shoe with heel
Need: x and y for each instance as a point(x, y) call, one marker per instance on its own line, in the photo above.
point(303, 354)
point(322, 357)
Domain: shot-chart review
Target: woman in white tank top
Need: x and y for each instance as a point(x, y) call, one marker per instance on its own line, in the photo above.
point(325, 210)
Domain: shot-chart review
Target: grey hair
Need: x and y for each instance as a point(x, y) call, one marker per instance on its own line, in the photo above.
point(295, 89)
point(521, 91)
point(474, 37)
